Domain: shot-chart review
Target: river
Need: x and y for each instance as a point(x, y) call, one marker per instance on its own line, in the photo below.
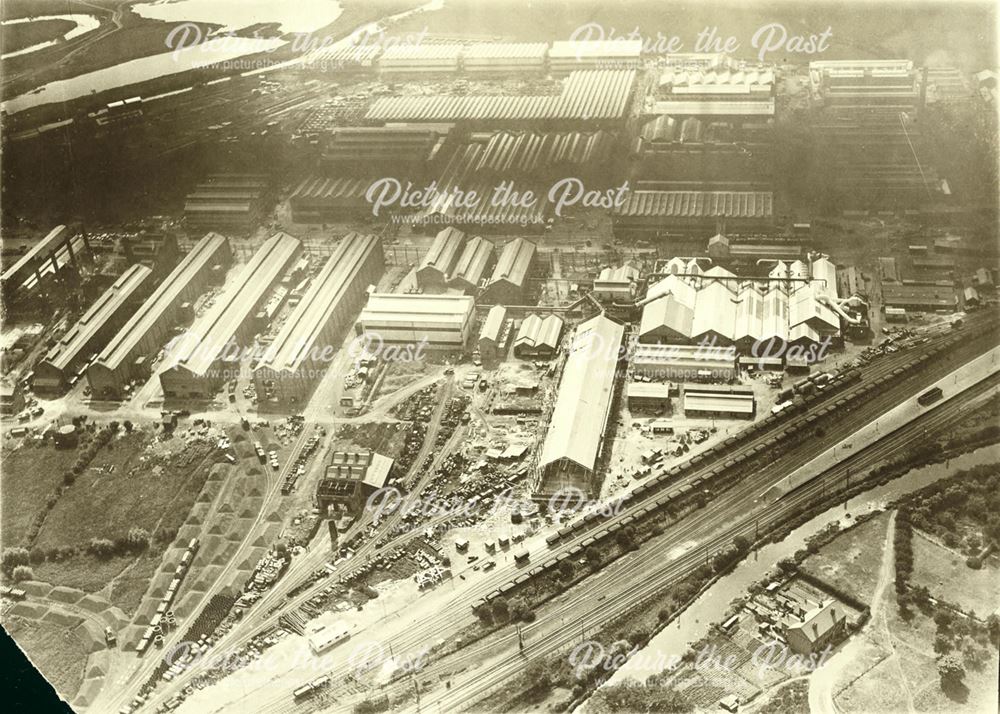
point(711, 606)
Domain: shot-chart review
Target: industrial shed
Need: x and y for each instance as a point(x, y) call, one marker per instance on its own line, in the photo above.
point(342, 57)
point(383, 150)
point(50, 254)
point(919, 297)
point(199, 360)
point(617, 284)
point(587, 95)
point(128, 354)
point(318, 199)
point(507, 284)
point(666, 320)
point(571, 55)
point(439, 321)
point(505, 57)
point(420, 58)
point(538, 337)
point(579, 419)
point(645, 211)
point(230, 202)
point(648, 396)
point(307, 342)
point(680, 363)
point(65, 361)
point(437, 265)
point(724, 402)
point(471, 269)
point(492, 344)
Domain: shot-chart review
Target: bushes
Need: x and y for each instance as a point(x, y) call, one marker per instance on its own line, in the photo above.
point(975, 562)
point(13, 558)
point(903, 543)
point(23, 572)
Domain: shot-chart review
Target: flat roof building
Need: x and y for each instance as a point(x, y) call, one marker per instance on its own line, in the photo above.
point(679, 363)
point(307, 341)
point(648, 396)
point(127, 356)
point(439, 321)
point(66, 361)
point(579, 419)
point(729, 402)
point(201, 359)
point(919, 297)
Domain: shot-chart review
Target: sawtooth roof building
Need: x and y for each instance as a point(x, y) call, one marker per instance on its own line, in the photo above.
point(579, 419)
point(199, 363)
point(797, 304)
point(304, 347)
point(65, 362)
point(128, 354)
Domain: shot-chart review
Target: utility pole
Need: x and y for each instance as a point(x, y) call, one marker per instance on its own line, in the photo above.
point(520, 639)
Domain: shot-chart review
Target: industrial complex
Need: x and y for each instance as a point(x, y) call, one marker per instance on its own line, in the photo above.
point(394, 369)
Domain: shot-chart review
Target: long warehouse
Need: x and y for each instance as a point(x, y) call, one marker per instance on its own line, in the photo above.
point(304, 345)
point(441, 322)
point(128, 355)
point(579, 419)
point(59, 370)
point(197, 368)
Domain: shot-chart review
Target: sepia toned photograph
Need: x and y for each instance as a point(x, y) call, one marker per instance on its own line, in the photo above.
point(499, 356)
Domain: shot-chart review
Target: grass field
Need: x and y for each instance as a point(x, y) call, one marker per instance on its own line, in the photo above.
point(944, 573)
point(61, 655)
point(23, 35)
point(851, 561)
point(29, 476)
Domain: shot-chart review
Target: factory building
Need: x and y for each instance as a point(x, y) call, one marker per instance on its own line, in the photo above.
point(796, 302)
point(439, 262)
point(725, 402)
point(383, 150)
point(307, 341)
point(320, 199)
point(200, 359)
point(128, 355)
point(571, 55)
point(684, 363)
point(66, 362)
point(510, 276)
point(471, 269)
point(226, 202)
point(928, 298)
point(495, 334)
point(441, 322)
point(59, 248)
point(538, 337)
point(648, 396)
point(579, 419)
point(663, 211)
point(420, 59)
point(504, 58)
point(350, 479)
point(617, 285)
point(594, 96)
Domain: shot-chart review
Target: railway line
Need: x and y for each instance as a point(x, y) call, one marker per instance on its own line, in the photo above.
point(912, 383)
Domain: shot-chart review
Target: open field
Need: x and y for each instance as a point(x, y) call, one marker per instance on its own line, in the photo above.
point(851, 561)
point(60, 654)
point(33, 473)
point(23, 35)
point(944, 573)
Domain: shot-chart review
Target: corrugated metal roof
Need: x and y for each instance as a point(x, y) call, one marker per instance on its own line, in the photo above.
point(56, 237)
point(166, 294)
point(712, 402)
point(667, 312)
point(198, 350)
point(78, 337)
point(319, 187)
point(471, 266)
point(713, 107)
point(580, 415)
point(493, 324)
point(586, 94)
point(298, 335)
point(684, 357)
point(595, 49)
point(506, 50)
point(697, 204)
point(385, 307)
point(536, 332)
point(715, 311)
point(444, 251)
point(343, 54)
point(515, 261)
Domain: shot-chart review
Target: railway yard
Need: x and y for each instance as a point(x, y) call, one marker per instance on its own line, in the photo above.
point(268, 446)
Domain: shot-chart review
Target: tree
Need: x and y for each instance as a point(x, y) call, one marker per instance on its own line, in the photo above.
point(566, 569)
point(137, 539)
point(500, 611)
point(23, 572)
point(539, 675)
point(13, 557)
point(951, 670)
point(593, 556)
point(128, 426)
point(37, 556)
point(742, 544)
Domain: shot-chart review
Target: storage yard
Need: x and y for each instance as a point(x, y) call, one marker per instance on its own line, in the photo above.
point(318, 414)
